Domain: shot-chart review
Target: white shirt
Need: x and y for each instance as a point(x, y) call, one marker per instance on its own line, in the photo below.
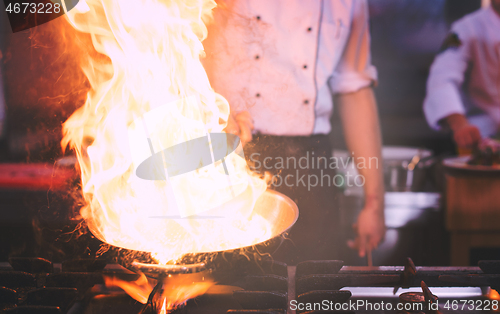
point(282, 60)
point(466, 78)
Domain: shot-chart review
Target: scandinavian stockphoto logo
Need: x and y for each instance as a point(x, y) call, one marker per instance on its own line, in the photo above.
point(188, 167)
point(25, 14)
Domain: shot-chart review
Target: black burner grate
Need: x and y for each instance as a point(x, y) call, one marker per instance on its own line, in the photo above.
point(35, 285)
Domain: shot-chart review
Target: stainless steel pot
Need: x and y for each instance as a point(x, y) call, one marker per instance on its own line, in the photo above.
point(406, 168)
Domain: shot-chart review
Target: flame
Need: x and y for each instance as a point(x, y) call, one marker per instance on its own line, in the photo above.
point(139, 289)
point(493, 295)
point(176, 289)
point(148, 84)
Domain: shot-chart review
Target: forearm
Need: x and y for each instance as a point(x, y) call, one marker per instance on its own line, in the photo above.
point(361, 126)
point(454, 122)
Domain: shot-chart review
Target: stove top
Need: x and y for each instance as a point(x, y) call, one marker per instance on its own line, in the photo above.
point(36, 285)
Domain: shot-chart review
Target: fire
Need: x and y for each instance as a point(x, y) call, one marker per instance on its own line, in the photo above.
point(493, 295)
point(139, 289)
point(149, 92)
point(176, 289)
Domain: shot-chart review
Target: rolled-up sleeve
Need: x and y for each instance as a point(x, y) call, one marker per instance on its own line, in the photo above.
point(354, 70)
point(444, 83)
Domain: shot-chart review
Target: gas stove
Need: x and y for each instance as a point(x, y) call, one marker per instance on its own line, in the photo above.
point(36, 285)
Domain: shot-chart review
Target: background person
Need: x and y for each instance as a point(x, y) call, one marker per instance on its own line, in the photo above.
point(463, 88)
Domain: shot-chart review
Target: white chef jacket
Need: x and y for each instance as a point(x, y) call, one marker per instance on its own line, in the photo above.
point(466, 78)
point(282, 60)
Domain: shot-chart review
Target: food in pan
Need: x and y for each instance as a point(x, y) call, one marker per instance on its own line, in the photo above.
point(487, 153)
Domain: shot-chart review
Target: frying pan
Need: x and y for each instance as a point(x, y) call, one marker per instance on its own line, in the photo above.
point(272, 206)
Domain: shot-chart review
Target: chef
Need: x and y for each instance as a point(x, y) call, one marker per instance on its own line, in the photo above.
point(279, 63)
point(463, 88)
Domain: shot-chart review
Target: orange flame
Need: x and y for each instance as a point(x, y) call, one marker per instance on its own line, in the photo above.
point(493, 295)
point(139, 289)
point(147, 82)
point(177, 289)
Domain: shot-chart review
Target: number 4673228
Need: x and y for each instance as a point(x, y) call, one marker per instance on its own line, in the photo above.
point(26, 7)
point(472, 305)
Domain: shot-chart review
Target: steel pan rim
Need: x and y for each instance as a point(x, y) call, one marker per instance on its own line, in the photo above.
point(185, 268)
